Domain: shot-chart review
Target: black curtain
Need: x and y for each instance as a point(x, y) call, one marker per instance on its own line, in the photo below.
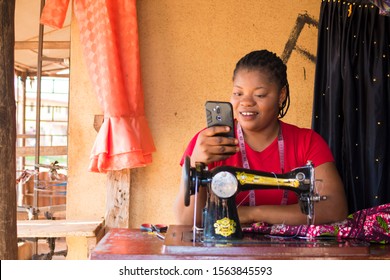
point(351, 97)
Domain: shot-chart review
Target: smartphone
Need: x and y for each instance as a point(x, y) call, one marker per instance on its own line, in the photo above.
point(220, 113)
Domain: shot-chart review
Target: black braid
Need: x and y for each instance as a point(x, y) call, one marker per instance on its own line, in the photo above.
point(265, 60)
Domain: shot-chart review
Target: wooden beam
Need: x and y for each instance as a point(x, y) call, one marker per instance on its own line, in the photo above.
point(97, 122)
point(24, 136)
point(118, 199)
point(44, 151)
point(8, 237)
point(33, 45)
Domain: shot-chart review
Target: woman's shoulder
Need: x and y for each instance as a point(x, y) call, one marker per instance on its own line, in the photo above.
point(293, 129)
point(307, 143)
point(301, 135)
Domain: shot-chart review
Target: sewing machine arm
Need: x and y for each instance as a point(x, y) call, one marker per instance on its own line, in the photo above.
point(226, 181)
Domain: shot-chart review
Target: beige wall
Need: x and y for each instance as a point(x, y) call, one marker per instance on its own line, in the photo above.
point(188, 52)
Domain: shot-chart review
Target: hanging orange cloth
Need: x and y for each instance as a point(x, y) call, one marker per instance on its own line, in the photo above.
point(109, 36)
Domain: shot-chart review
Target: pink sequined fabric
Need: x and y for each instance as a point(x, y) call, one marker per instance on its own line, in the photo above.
point(371, 225)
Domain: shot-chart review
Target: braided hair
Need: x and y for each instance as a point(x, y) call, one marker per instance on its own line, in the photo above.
point(264, 60)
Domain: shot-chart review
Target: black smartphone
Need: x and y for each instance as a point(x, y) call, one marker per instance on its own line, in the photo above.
point(220, 113)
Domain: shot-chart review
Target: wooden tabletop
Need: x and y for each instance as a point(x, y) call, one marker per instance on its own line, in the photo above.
point(58, 228)
point(122, 244)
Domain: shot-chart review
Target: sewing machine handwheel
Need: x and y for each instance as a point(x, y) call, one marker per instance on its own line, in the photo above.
point(187, 182)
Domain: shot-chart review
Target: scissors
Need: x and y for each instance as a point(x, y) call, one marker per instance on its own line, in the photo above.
point(158, 229)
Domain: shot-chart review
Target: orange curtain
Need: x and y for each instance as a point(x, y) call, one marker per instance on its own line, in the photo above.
point(109, 36)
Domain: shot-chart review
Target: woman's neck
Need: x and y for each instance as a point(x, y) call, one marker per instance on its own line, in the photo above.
point(259, 140)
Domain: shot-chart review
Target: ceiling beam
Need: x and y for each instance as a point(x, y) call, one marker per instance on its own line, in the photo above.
point(33, 45)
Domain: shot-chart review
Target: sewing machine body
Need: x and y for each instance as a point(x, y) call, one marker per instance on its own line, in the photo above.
point(220, 217)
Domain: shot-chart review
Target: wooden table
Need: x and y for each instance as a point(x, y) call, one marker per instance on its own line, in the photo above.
point(123, 244)
point(84, 233)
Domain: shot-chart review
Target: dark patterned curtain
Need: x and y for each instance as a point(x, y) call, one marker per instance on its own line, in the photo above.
point(351, 97)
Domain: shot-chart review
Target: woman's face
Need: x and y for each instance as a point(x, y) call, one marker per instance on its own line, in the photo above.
point(255, 99)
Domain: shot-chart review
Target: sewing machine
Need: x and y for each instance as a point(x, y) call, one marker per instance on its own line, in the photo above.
point(220, 217)
point(221, 235)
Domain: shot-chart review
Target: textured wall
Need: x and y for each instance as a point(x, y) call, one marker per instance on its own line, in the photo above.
point(188, 52)
point(86, 190)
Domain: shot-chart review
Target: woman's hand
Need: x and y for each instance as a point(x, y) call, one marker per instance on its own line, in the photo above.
point(211, 147)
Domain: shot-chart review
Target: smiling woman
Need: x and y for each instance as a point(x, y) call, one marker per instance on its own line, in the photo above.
point(260, 97)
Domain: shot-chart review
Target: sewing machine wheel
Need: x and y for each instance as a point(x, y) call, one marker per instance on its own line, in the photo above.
point(187, 182)
point(224, 184)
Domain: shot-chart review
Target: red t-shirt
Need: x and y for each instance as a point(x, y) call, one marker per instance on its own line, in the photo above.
point(300, 145)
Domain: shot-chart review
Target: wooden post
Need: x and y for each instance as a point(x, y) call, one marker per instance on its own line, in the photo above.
point(8, 237)
point(118, 199)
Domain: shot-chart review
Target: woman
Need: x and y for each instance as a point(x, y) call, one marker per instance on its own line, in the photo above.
point(260, 97)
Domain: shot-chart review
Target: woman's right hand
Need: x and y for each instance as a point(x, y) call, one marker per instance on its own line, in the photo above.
point(211, 146)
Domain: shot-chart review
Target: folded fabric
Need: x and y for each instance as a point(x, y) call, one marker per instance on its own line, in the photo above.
point(371, 224)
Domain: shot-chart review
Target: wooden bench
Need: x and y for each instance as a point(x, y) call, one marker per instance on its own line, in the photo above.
point(81, 235)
